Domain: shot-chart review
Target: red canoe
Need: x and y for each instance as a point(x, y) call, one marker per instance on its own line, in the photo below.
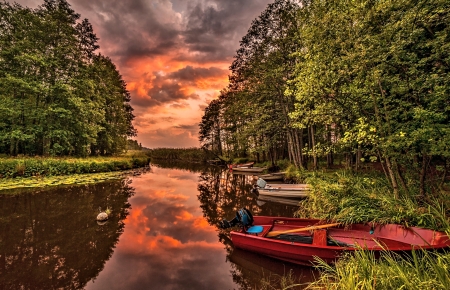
point(284, 239)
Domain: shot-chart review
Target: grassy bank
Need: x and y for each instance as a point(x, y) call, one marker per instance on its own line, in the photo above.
point(356, 198)
point(420, 270)
point(39, 171)
point(348, 198)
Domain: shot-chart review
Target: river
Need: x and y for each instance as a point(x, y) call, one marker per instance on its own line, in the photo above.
point(162, 234)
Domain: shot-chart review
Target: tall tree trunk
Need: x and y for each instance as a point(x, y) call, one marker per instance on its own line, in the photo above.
point(400, 176)
point(299, 146)
point(382, 164)
point(313, 145)
point(292, 147)
point(358, 158)
point(392, 177)
point(329, 154)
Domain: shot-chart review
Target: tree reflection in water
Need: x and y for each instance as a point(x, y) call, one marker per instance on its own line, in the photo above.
point(221, 193)
point(49, 238)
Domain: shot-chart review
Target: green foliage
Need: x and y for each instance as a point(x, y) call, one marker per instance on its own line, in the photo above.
point(56, 96)
point(349, 199)
point(240, 160)
point(36, 167)
point(249, 120)
point(181, 154)
point(367, 81)
point(420, 270)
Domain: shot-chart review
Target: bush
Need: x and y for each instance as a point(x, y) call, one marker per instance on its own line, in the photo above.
point(27, 167)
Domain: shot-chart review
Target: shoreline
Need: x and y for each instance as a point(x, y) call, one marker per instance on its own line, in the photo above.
point(38, 172)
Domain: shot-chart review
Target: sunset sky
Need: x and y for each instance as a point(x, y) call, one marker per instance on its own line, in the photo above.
point(173, 54)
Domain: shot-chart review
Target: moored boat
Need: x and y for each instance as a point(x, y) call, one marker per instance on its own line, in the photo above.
point(300, 240)
point(244, 165)
point(262, 188)
point(248, 169)
point(280, 200)
point(272, 176)
point(284, 192)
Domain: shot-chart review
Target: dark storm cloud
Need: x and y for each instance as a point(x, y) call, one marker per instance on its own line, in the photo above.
point(131, 29)
point(214, 28)
point(211, 30)
point(134, 28)
point(167, 90)
point(192, 74)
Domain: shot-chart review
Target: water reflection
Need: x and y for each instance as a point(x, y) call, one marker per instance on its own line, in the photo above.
point(50, 239)
point(167, 244)
point(162, 235)
point(221, 193)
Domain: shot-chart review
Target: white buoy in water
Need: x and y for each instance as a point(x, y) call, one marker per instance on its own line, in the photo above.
point(102, 216)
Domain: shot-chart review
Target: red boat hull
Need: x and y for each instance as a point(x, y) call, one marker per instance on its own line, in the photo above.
point(391, 237)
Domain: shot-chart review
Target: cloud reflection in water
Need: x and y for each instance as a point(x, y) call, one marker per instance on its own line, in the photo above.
point(167, 244)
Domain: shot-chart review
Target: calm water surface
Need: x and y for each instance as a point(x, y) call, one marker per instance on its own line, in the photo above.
point(162, 234)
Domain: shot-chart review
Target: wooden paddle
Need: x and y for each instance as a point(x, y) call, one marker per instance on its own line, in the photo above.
point(311, 228)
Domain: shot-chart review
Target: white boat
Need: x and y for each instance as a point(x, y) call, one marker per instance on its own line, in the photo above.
point(272, 176)
point(284, 192)
point(262, 188)
point(262, 199)
point(249, 164)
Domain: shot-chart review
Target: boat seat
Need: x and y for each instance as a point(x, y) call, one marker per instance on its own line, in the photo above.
point(320, 237)
point(255, 230)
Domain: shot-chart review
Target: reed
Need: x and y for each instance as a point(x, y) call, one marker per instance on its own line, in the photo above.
point(284, 282)
point(352, 199)
point(420, 270)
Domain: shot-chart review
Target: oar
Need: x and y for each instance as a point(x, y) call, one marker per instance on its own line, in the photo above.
point(311, 228)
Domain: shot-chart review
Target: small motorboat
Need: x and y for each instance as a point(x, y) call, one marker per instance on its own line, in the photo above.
point(301, 240)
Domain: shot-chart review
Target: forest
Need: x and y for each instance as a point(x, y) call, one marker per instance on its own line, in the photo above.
point(363, 81)
point(58, 97)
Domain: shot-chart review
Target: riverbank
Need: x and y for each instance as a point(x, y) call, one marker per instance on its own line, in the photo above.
point(367, 197)
point(26, 172)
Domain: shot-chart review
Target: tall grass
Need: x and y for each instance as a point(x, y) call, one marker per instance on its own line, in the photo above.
point(355, 199)
point(421, 270)
point(285, 282)
point(368, 199)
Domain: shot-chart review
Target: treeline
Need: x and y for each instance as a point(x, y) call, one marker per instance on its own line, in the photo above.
point(179, 154)
point(134, 145)
point(57, 96)
point(368, 80)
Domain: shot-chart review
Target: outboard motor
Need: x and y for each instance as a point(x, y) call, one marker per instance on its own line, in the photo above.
point(243, 217)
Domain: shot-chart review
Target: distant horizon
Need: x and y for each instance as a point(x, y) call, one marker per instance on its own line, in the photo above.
point(175, 58)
